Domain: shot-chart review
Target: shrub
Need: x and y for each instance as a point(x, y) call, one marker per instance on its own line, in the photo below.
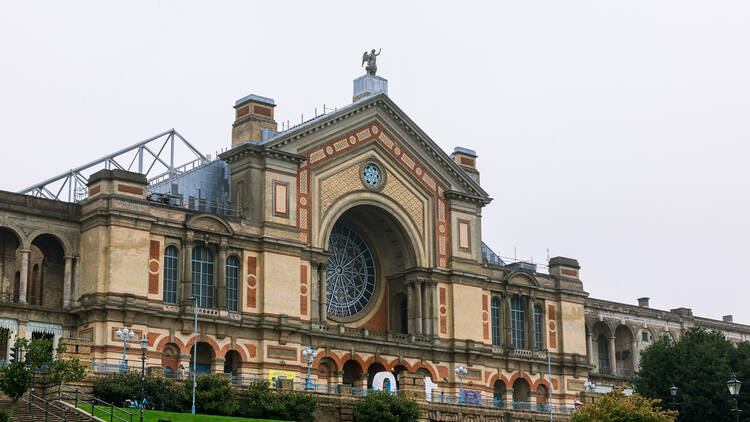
point(4, 417)
point(163, 394)
point(260, 401)
point(214, 395)
point(382, 406)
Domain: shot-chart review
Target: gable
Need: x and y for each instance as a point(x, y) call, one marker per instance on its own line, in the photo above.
point(329, 136)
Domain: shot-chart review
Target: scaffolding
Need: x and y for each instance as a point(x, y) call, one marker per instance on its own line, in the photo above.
point(155, 157)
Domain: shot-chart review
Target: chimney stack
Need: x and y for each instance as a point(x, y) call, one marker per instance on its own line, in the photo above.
point(564, 267)
point(727, 318)
point(643, 302)
point(251, 114)
point(467, 159)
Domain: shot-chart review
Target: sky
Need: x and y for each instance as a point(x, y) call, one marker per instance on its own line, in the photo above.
point(612, 132)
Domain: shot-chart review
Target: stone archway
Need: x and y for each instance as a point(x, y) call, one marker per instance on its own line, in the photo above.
point(204, 358)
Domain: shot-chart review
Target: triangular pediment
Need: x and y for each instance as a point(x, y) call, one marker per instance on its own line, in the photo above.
point(378, 119)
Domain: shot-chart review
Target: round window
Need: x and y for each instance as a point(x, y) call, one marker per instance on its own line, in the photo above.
point(350, 275)
point(371, 175)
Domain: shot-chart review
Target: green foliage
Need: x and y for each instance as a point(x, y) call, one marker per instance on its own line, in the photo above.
point(163, 394)
point(214, 395)
point(699, 364)
point(259, 401)
point(15, 380)
point(4, 417)
point(386, 407)
point(616, 407)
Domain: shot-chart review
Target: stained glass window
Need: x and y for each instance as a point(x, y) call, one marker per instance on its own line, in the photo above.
point(350, 275)
point(371, 174)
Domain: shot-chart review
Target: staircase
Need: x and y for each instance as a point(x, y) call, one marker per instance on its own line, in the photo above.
point(35, 409)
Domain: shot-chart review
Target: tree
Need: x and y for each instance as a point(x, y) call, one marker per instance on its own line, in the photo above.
point(615, 406)
point(699, 364)
point(17, 377)
point(382, 406)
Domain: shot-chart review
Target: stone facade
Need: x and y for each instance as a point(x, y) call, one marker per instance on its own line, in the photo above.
point(354, 234)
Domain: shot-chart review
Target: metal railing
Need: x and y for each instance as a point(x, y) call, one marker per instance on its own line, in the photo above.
point(194, 204)
point(624, 372)
point(46, 406)
point(501, 404)
point(76, 397)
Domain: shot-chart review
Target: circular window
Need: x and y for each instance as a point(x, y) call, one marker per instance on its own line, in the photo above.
point(350, 275)
point(371, 175)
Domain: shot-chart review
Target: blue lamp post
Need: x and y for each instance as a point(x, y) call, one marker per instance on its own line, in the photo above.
point(460, 372)
point(124, 335)
point(309, 355)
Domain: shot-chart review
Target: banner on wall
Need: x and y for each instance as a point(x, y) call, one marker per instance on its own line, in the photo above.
point(275, 374)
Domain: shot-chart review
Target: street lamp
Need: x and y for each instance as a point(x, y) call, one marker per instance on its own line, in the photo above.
point(673, 393)
point(144, 346)
point(461, 371)
point(734, 389)
point(309, 355)
point(124, 335)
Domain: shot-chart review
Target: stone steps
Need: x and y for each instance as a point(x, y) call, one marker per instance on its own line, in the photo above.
point(23, 414)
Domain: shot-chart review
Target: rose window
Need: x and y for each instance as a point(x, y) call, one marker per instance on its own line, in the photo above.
point(371, 175)
point(350, 275)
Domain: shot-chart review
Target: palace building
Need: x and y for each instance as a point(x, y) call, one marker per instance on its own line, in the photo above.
point(352, 233)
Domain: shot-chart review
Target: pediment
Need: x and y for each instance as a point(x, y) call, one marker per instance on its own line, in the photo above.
point(522, 278)
point(379, 120)
point(209, 223)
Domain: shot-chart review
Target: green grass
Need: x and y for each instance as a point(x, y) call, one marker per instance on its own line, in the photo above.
point(155, 415)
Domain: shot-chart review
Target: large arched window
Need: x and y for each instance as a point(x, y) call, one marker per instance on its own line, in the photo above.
point(171, 263)
point(203, 276)
point(233, 271)
point(538, 328)
point(495, 309)
point(517, 323)
point(603, 350)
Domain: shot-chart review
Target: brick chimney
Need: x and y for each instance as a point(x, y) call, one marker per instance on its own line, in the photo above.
point(643, 302)
point(467, 159)
point(251, 114)
point(727, 318)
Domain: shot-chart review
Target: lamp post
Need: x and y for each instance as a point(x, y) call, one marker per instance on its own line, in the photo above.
point(124, 335)
point(673, 393)
point(549, 374)
point(309, 355)
point(195, 347)
point(461, 371)
point(734, 389)
point(144, 346)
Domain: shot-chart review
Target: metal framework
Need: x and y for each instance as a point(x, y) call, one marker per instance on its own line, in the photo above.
point(154, 157)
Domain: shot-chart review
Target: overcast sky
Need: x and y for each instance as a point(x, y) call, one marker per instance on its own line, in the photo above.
point(615, 133)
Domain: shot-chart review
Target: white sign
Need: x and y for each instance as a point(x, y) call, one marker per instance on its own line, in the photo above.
point(384, 381)
point(428, 387)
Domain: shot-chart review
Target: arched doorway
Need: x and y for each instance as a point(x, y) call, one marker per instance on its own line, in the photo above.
point(232, 362)
point(367, 246)
point(352, 372)
point(601, 336)
point(327, 371)
point(521, 395)
point(498, 393)
point(397, 370)
point(170, 357)
point(204, 359)
point(371, 371)
point(623, 352)
point(47, 271)
point(10, 269)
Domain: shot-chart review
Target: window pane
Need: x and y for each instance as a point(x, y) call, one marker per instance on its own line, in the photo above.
point(233, 268)
point(517, 321)
point(495, 308)
point(538, 328)
point(203, 276)
point(171, 263)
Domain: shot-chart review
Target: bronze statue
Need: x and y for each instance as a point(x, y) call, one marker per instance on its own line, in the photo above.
point(370, 59)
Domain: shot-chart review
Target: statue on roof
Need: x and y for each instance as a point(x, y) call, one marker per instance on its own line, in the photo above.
point(370, 58)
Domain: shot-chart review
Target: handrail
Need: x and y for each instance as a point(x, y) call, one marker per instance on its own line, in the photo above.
point(46, 407)
point(63, 395)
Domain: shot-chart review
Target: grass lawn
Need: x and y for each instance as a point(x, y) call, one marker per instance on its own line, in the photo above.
point(155, 415)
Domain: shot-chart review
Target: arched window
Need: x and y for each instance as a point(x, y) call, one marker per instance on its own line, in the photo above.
point(517, 323)
point(603, 354)
point(538, 328)
point(203, 276)
point(171, 262)
point(495, 309)
point(233, 271)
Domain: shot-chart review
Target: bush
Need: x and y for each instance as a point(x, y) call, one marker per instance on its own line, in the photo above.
point(162, 394)
point(260, 401)
point(4, 417)
point(214, 395)
point(382, 406)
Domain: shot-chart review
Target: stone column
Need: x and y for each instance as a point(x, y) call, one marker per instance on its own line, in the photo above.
point(418, 307)
point(67, 280)
point(636, 355)
point(323, 292)
point(426, 319)
point(595, 352)
point(187, 271)
point(24, 282)
point(435, 302)
point(221, 284)
point(612, 361)
point(590, 343)
point(506, 322)
point(531, 345)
